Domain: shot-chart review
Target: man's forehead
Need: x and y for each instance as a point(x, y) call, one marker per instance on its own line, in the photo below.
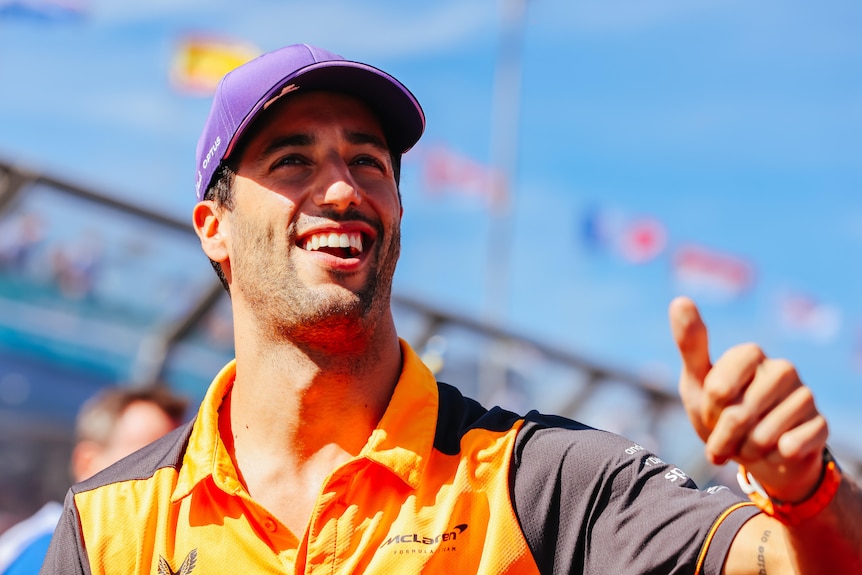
point(323, 106)
point(299, 118)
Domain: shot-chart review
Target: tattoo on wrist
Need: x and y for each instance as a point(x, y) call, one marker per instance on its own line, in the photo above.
point(761, 553)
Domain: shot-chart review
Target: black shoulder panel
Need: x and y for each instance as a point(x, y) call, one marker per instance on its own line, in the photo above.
point(458, 414)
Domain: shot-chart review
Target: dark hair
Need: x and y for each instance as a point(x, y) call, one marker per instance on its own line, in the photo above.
point(221, 191)
point(99, 415)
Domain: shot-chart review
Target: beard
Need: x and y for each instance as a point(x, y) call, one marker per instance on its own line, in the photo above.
point(327, 317)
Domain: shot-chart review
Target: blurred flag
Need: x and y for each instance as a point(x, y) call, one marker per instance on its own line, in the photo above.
point(636, 239)
point(447, 171)
point(199, 62)
point(599, 227)
point(642, 239)
point(709, 273)
point(804, 316)
point(44, 10)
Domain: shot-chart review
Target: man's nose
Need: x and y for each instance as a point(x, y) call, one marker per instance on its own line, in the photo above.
point(336, 187)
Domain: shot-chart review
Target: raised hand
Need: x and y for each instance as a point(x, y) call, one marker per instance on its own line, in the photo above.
point(749, 408)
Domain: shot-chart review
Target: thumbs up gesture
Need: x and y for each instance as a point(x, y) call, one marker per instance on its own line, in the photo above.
point(749, 408)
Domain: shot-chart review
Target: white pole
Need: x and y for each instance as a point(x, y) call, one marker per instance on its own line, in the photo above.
point(504, 157)
point(504, 162)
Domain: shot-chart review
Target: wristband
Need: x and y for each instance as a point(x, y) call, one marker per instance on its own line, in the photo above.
point(794, 513)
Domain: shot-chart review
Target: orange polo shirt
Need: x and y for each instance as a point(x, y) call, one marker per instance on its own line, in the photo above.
point(441, 486)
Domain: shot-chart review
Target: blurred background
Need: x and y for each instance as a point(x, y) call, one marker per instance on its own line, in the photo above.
point(584, 162)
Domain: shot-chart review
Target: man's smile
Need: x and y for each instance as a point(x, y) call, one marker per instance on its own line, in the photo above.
point(340, 244)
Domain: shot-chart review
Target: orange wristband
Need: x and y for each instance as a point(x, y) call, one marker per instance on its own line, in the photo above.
point(794, 513)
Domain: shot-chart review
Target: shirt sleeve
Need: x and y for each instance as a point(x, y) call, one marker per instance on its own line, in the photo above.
point(66, 554)
point(590, 501)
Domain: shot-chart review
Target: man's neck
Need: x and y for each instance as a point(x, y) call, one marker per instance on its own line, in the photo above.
point(291, 419)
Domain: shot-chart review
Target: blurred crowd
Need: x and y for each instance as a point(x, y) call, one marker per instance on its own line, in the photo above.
point(115, 422)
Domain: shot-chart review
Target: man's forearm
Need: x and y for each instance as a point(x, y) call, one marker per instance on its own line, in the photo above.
point(830, 542)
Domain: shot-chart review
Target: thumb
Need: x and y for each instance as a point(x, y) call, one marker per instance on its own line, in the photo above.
point(691, 338)
point(689, 333)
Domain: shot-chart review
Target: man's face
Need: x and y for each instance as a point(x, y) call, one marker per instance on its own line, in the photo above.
point(314, 234)
point(141, 423)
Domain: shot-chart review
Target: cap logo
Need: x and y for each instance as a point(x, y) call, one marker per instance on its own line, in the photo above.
point(213, 149)
point(286, 90)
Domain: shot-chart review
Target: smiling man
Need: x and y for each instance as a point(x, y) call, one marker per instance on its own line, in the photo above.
point(327, 446)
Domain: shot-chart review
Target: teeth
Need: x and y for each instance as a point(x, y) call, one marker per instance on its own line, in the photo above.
point(333, 240)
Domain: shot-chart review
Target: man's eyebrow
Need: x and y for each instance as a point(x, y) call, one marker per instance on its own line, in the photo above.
point(365, 138)
point(291, 141)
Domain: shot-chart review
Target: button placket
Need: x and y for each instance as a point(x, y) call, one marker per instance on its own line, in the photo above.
point(328, 527)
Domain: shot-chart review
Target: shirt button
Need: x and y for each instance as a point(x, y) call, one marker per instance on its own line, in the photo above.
point(269, 524)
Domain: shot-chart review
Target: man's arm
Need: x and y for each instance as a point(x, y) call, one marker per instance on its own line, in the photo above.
point(755, 410)
point(766, 546)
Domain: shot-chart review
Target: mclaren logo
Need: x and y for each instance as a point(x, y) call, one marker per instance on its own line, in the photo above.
point(418, 543)
point(185, 569)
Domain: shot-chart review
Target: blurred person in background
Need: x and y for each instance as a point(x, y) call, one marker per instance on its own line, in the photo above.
point(112, 424)
point(327, 446)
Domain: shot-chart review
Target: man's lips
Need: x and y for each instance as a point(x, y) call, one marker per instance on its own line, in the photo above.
point(336, 243)
point(348, 242)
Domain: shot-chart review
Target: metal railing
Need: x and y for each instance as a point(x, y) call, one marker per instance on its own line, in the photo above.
point(489, 362)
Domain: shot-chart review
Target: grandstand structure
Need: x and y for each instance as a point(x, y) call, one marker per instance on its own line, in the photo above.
point(96, 291)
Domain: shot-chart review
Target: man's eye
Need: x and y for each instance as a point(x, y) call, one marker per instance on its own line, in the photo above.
point(368, 161)
point(292, 160)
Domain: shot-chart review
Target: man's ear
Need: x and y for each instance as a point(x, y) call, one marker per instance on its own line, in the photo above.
point(207, 219)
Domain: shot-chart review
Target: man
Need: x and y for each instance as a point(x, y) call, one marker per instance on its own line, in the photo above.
point(327, 446)
point(110, 425)
point(118, 421)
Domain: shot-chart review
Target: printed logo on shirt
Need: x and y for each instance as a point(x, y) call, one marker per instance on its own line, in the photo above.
point(185, 569)
point(422, 543)
point(675, 474)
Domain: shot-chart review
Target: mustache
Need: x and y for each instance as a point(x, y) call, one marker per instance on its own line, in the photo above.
point(332, 215)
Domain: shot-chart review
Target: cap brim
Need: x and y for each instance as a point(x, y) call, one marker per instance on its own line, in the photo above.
point(397, 108)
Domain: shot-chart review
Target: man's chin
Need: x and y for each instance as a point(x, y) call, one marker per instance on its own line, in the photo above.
point(338, 301)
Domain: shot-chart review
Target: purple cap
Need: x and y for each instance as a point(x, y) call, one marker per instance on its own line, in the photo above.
point(247, 90)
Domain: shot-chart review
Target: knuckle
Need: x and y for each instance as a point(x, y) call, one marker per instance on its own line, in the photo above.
point(805, 397)
point(784, 368)
point(716, 390)
point(822, 425)
point(762, 440)
point(736, 417)
point(751, 351)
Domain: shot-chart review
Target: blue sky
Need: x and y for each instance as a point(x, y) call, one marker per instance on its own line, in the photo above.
point(737, 126)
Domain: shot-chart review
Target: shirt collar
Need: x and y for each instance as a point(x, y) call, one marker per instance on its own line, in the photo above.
point(402, 441)
point(206, 455)
point(404, 438)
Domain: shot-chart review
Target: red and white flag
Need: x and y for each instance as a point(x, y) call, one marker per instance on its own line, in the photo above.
point(804, 316)
point(642, 239)
point(636, 239)
point(710, 273)
point(445, 171)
